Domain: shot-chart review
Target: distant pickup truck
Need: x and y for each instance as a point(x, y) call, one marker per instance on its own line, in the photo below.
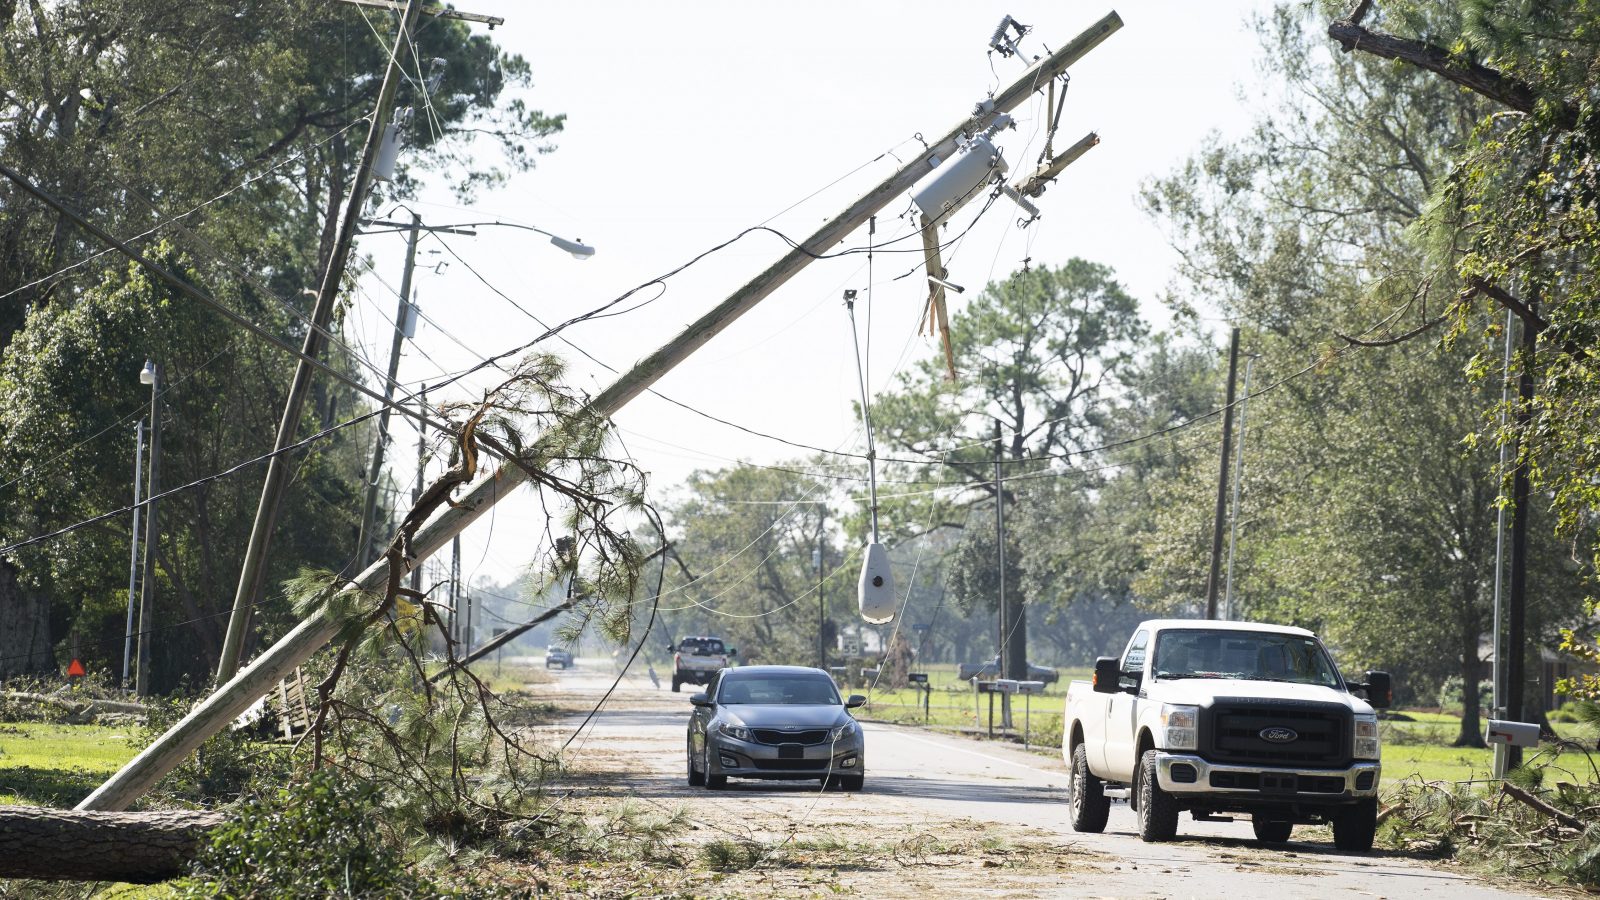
point(1225, 717)
point(696, 659)
point(991, 669)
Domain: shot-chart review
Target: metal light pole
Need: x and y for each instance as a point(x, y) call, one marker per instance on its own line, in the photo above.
point(1238, 480)
point(151, 375)
point(133, 554)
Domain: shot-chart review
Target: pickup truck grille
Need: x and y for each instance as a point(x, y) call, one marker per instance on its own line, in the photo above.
point(771, 736)
point(1235, 726)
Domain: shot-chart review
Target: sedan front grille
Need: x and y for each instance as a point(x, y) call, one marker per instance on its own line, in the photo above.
point(774, 736)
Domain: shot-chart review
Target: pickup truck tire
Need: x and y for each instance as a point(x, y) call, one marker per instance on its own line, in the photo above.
point(676, 684)
point(1355, 826)
point(1272, 831)
point(1089, 804)
point(696, 777)
point(1158, 810)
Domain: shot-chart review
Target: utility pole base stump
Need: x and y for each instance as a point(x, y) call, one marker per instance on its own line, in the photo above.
point(68, 845)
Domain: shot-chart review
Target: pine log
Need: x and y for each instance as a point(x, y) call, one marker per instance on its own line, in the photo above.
point(67, 845)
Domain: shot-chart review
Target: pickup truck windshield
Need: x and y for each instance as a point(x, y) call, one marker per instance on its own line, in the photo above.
point(700, 647)
point(1255, 656)
point(776, 690)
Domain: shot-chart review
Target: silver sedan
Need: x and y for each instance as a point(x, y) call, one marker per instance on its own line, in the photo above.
point(774, 722)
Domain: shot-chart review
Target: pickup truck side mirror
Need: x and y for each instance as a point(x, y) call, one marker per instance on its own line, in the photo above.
point(733, 651)
point(670, 648)
point(700, 699)
point(1107, 675)
point(1379, 689)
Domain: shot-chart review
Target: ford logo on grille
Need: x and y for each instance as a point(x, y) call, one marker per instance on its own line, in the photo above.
point(1279, 735)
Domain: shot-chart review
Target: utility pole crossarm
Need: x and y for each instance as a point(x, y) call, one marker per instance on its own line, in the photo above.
point(216, 711)
point(1033, 185)
point(436, 11)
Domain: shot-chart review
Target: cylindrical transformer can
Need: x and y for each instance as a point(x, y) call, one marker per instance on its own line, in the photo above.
point(951, 185)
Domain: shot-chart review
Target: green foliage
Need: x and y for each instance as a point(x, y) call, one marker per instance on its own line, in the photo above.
point(316, 837)
point(230, 764)
point(1450, 696)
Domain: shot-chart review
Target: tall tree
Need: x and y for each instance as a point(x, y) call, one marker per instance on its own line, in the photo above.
point(1036, 354)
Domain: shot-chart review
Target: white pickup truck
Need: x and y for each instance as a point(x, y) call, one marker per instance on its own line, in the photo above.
point(1225, 717)
point(696, 659)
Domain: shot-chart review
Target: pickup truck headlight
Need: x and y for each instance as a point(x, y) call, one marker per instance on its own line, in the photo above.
point(1366, 736)
point(1181, 725)
point(737, 732)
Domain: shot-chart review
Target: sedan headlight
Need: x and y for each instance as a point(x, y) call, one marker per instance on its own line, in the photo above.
point(843, 731)
point(1181, 724)
point(737, 732)
point(1366, 736)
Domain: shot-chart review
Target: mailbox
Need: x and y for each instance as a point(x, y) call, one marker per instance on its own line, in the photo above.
point(917, 677)
point(1005, 686)
point(1513, 734)
point(1030, 687)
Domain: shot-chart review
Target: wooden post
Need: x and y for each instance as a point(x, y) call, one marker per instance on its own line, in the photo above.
point(1213, 581)
point(229, 700)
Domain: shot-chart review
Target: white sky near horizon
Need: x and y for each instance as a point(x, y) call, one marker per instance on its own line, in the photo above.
point(688, 123)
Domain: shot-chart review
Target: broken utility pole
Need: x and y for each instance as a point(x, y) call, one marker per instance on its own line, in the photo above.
point(253, 574)
point(216, 711)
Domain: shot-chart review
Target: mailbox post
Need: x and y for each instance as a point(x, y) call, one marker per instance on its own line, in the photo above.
point(919, 680)
point(1027, 689)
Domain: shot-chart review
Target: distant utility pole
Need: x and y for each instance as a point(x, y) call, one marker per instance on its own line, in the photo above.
point(1213, 581)
point(416, 489)
point(822, 608)
point(152, 375)
point(1521, 512)
point(224, 705)
point(1497, 704)
point(133, 556)
point(1238, 483)
point(1000, 555)
point(253, 573)
point(405, 316)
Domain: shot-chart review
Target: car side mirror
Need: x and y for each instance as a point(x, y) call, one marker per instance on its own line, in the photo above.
point(855, 700)
point(1379, 690)
point(700, 699)
point(733, 651)
point(1107, 675)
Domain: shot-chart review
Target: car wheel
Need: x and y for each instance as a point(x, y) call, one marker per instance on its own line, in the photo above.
point(1158, 810)
point(696, 778)
point(713, 782)
point(1272, 831)
point(1355, 826)
point(852, 782)
point(1090, 806)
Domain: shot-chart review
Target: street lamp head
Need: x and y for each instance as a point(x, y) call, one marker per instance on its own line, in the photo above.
point(578, 249)
point(148, 374)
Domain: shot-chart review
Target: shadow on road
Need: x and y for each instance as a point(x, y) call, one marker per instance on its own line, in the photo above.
point(969, 791)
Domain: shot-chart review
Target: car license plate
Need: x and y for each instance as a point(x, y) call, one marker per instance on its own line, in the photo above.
point(791, 751)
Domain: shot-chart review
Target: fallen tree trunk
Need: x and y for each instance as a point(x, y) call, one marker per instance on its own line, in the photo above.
point(67, 845)
point(76, 707)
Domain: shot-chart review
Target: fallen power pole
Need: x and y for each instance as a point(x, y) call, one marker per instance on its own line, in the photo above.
point(226, 703)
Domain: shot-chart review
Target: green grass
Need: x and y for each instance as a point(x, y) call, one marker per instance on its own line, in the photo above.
point(58, 765)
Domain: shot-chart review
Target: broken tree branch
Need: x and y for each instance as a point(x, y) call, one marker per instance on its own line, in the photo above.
point(1567, 819)
point(1496, 85)
point(1522, 308)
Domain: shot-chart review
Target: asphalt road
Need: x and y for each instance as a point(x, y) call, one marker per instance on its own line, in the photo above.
point(917, 780)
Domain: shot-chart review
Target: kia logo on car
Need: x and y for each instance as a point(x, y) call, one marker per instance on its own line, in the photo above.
point(1279, 735)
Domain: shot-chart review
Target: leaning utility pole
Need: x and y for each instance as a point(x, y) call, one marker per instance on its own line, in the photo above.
point(253, 574)
point(152, 538)
point(1214, 579)
point(216, 711)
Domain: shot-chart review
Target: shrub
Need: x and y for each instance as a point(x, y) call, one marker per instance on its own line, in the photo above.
point(1450, 693)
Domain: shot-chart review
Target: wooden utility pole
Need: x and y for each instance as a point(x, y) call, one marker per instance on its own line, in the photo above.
point(152, 538)
point(225, 704)
point(253, 573)
point(1517, 587)
point(1213, 581)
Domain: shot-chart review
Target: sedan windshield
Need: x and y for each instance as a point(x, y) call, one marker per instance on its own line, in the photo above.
point(1255, 656)
point(778, 690)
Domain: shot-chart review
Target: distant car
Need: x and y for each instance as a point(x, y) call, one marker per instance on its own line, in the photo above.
point(695, 660)
point(558, 656)
point(991, 669)
point(783, 722)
